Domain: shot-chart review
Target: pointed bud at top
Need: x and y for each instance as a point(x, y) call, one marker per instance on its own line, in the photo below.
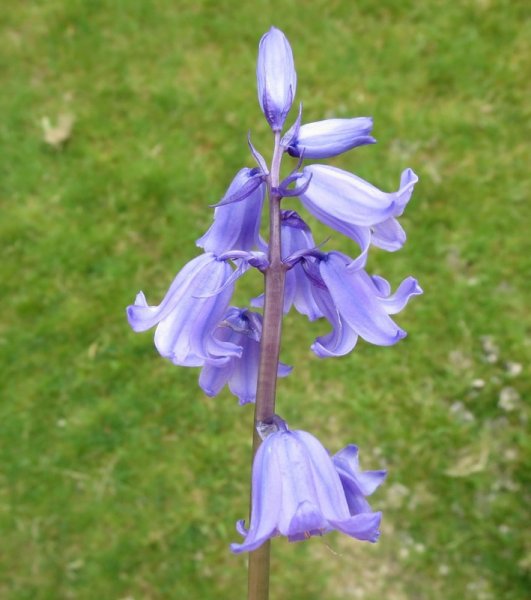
point(276, 77)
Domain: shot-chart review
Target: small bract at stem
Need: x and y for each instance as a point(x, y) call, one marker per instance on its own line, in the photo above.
point(275, 274)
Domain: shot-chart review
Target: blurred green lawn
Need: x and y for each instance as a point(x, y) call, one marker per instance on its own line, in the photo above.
point(119, 478)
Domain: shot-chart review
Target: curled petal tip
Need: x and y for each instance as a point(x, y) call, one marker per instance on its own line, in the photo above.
point(286, 192)
point(241, 529)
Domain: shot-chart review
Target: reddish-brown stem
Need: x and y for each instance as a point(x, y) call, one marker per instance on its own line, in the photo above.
point(258, 578)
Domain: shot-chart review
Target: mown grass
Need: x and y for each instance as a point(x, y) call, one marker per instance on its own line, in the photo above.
point(119, 478)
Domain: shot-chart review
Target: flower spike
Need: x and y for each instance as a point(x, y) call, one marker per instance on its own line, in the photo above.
point(299, 489)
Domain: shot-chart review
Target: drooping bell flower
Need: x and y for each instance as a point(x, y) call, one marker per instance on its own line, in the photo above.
point(295, 237)
point(189, 313)
point(237, 217)
point(324, 139)
point(297, 491)
point(356, 304)
point(356, 208)
point(276, 77)
point(242, 328)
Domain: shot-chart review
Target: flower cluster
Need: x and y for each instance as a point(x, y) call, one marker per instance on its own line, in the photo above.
point(298, 489)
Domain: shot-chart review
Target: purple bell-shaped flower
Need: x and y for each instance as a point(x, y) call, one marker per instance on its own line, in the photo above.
point(324, 139)
point(237, 217)
point(242, 328)
point(356, 304)
point(299, 491)
point(189, 313)
point(295, 237)
point(356, 208)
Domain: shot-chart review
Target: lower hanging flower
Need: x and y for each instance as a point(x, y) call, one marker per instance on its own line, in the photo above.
point(299, 491)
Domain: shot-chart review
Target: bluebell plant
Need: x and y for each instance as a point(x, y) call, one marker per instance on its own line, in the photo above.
point(299, 489)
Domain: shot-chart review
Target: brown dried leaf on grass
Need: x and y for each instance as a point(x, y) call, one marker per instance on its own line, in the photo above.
point(56, 135)
point(472, 460)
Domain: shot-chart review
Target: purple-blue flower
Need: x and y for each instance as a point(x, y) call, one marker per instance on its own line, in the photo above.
point(356, 208)
point(189, 313)
point(324, 139)
point(237, 224)
point(276, 77)
point(242, 328)
point(356, 304)
point(295, 236)
point(298, 491)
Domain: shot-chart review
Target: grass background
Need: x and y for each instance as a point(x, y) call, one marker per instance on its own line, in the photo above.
point(119, 478)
